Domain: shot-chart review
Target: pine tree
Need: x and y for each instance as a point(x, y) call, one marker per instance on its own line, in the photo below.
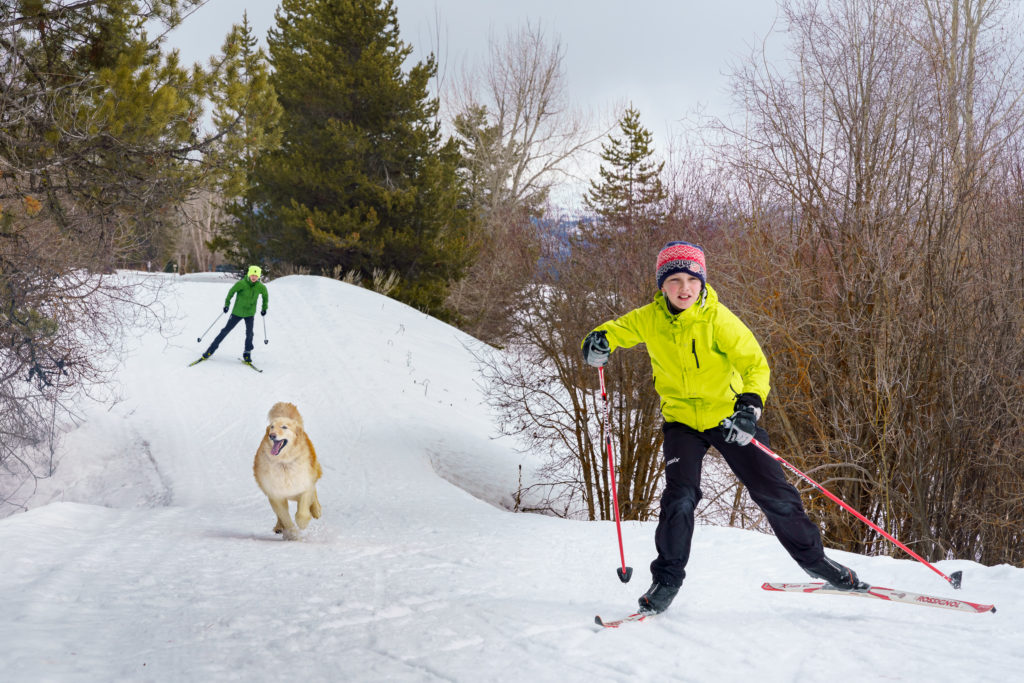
point(362, 180)
point(245, 107)
point(483, 151)
point(99, 123)
point(630, 193)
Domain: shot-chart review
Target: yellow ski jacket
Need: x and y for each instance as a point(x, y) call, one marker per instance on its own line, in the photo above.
point(701, 358)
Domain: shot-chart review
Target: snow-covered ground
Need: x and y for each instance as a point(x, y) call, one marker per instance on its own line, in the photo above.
point(150, 555)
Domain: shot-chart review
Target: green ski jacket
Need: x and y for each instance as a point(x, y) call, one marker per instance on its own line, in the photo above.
point(248, 292)
point(701, 357)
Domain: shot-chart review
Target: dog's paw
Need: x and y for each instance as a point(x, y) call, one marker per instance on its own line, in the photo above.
point(292, 534)
point(282, 529)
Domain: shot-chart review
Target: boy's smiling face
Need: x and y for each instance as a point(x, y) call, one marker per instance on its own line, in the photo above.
point(681, 290)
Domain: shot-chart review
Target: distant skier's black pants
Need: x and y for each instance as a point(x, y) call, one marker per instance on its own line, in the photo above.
point(765, 481)
point(232, 321)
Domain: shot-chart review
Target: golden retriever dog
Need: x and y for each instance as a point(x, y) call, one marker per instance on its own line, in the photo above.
point(286, 469)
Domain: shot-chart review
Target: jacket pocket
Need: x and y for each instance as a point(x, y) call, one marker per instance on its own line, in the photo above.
point(693, 348)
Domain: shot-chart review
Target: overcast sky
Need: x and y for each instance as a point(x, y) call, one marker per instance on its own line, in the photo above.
point(667, 57)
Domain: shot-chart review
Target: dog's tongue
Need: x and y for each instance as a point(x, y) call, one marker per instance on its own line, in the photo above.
point(278, 445)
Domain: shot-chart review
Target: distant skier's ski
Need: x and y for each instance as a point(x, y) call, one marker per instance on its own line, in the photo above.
point(890, 594)
point(197, 361)
point(249, 363)
point(636, 616)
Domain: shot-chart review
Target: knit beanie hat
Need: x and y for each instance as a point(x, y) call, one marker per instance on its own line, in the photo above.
point(681, 257)
point(255, 270)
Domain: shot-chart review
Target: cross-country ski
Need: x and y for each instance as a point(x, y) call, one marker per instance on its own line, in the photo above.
point(634, 617)
point(880, 593)
point(241, 360)
point(249, 363)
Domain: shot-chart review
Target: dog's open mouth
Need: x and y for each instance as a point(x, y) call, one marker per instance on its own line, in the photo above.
point(278, 445)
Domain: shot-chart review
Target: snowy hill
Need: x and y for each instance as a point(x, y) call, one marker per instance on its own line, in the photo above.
point(150, 555)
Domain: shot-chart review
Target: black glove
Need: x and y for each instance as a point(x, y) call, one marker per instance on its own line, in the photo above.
point(739, 429)
point(596, 348)
point(263, 312)
point(225, 309)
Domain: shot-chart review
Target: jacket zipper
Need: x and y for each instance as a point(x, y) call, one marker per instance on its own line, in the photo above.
point(693, 347)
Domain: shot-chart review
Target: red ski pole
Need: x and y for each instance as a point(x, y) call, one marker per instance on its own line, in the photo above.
point(624, 572)
point(954, 579)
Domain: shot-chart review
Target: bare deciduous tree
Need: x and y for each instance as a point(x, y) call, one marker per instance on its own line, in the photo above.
point(878, 206)
point(96, 129)
point(62, 329)
point(506, 262)
point(548, 396)
point(200, 217)
point(512, 115)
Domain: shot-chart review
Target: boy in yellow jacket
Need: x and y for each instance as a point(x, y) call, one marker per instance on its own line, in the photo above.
point(707, 367)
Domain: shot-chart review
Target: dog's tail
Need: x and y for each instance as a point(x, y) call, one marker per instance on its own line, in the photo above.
point(285, 410)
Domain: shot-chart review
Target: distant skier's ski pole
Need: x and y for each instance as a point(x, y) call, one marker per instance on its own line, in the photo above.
point(265, 340)
point(209, 328)
point(954, 579)
point(624, 572)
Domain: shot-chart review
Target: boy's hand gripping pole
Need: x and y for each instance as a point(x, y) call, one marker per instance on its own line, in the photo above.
point(624, 572)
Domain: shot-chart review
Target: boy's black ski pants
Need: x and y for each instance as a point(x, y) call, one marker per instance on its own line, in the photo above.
point(766, 483)
point(230, 325)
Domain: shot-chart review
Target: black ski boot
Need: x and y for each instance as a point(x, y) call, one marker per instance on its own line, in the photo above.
point(658, 597)
point(840, 577)
point(246, 358)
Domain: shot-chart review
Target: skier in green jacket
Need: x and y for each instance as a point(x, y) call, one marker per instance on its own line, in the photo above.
point(707, 367)
point(248, 290)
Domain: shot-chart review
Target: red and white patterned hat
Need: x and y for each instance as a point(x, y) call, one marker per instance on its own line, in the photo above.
point(681, 257)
